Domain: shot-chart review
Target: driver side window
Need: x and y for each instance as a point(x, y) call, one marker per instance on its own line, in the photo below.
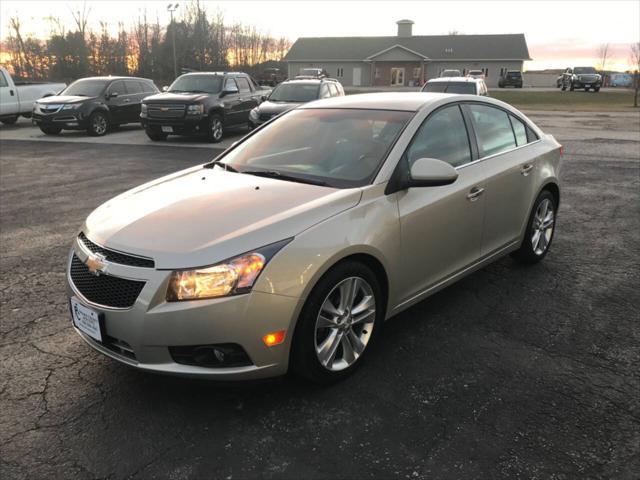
point(443, 136)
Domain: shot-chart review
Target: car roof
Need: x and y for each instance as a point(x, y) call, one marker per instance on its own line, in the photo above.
point(455, 79)
point(114, 77)
point(213, 73)
point(409, 101)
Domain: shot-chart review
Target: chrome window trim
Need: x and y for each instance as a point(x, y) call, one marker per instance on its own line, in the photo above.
point(496, 154)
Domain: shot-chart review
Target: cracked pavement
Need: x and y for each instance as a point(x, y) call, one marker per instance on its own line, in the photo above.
point(513, 372)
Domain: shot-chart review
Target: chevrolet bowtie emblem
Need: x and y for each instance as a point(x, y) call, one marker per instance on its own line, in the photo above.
point(164, 109)
point(95, 263)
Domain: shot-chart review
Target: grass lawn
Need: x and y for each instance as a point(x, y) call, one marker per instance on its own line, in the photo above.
point(571, 101)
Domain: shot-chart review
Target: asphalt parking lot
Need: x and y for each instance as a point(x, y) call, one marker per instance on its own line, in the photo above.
point(513, 372)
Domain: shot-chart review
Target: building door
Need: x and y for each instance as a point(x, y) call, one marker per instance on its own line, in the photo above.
point(397, 76)
point(357, 76)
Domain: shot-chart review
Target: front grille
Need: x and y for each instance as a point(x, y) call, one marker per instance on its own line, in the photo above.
point(588, 78)
point(115, 257)
point(266, 116)
point(48, 109)
point(104, 289)
point(165, 111)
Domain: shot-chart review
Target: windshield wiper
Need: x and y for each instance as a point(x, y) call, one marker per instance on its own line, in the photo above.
point(220, 164)
point(283, 176)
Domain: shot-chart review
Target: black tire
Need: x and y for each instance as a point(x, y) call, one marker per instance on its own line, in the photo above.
point(48, 130)
point(10, 120)
point(98, 124)
point(597, 89)
point(215, 131)
point(304, 360)
point(155, 135)
point(527, 252)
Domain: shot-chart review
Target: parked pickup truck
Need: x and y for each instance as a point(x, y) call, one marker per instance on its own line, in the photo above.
point(17, 98)
point(203, 103)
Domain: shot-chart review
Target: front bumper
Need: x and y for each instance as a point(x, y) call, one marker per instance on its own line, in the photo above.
point(151, 326)
point(197, 125)
point(67, 119)
point(581, 83)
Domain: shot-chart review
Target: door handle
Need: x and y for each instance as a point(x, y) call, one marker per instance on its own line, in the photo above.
point(127, 100)
point(11, 92)
point(526, 169)
point(474, 193)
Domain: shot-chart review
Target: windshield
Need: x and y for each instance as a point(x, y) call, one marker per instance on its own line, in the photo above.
point(197, 84)
point(295, 92)
point(579, 70)
point(341, 148)
point(450, 87)
point(85, 88)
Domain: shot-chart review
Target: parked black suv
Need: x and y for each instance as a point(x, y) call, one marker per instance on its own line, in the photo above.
point(203, 103)
point(94, 104)
point(291, 93)
point(581, 77)
point(511, 78)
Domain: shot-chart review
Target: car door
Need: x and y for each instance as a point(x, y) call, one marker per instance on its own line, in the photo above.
point(117, 101)
point(8, 96)
point(232, 102)
point(441, 227)
point(247, 100)
point(509, 166)
point(133, 101)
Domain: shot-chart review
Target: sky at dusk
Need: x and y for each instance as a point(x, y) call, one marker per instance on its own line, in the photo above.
point(559, 33)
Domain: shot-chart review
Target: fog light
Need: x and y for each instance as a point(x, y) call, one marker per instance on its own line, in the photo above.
point(274, 338)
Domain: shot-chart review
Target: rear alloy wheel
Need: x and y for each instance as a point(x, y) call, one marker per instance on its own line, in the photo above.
point(98, 124)
point(155, 135)
point(48, 130)
point(9, 120)
point(338, 324)
point(216, 129)
point(540, 229)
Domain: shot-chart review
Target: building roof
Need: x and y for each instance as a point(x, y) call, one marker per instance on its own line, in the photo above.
point(433, 47)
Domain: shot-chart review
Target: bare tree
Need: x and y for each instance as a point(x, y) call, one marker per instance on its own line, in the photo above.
point(635, 70)
point(603, 53)
point(81, 18)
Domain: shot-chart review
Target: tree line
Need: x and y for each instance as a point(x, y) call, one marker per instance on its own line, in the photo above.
point(203, 41)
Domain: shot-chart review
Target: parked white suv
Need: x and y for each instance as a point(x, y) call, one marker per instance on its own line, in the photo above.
point(18, 98)
point(461, 85)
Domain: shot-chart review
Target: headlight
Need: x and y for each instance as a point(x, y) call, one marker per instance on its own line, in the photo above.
point(253, 114)
point(71, 106)
point(143, 108)
point(231, 277)
point(195, 109)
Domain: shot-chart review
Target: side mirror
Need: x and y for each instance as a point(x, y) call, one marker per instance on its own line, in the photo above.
point(264, 97)
point(165, 89)
point(430, 172)
point(112, 95)
point(229, 90)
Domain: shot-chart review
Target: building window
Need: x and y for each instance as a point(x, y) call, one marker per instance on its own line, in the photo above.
point(416, 72)
point(340, 72)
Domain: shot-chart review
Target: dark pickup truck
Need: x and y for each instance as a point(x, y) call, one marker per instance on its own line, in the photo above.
point(581, 77)
point(202, 103)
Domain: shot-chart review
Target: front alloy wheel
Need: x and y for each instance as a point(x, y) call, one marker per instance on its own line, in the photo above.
point(339, 323)
point(345, 324)
point(98, 124)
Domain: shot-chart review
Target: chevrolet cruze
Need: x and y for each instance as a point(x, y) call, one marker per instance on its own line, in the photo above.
point(289, 250)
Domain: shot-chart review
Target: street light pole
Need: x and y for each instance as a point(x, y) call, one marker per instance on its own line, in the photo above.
point(172, 8)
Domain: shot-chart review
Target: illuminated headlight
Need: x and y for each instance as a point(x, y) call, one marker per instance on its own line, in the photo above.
point(253, 114)
point(71, 106)
point(195, 109)
point(231, 277)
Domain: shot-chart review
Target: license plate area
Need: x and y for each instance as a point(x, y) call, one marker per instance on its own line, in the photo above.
point(167, 129)
point(87, 320)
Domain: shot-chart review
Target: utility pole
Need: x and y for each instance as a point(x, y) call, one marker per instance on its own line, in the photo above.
point(172, 7)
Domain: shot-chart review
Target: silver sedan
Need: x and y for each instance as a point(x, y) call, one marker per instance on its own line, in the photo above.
point(290, 250)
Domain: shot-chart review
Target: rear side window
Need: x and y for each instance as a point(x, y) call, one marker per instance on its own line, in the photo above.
point(133, 87)
point(531, 135)
point(118, 87)
point(443, 136)
point(3, 80)
point(243, 84)
point(493, 129)
point(519, 130)
point(148, 87)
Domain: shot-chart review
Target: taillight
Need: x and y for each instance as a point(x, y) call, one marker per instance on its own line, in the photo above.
point(561, 150)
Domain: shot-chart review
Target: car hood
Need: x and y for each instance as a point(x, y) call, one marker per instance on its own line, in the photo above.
point(274, 108)
point(168, 97)
point(57, 99)
point(201, 216)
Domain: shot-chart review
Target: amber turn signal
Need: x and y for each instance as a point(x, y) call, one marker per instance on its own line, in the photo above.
point(274, 338)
